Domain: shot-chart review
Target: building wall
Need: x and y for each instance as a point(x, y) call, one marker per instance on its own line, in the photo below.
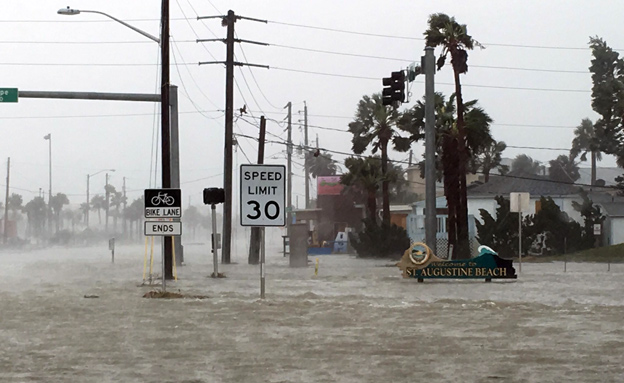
point(617, 230)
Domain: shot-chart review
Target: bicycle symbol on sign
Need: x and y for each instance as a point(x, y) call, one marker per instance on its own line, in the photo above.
point(162, 198)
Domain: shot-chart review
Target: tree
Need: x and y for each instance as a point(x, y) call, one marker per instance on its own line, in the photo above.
point(591, 215)
point(56, 203)
point(15, 203)
point(586, 141)
point(447, 163)
point(320, 165)
point(374, 125)
point(490, 158)
point(454, 39)
point(134, 213)
point(98, 203)
point(109, 190)
point(192, 218)
point(525, 164)
point(35, 211)
point(364, 176)
point(84, 208)
point(607, 97)
point(117, 200)
point(563, 169)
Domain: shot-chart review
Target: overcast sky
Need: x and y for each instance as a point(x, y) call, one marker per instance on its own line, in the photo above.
point(532, 78)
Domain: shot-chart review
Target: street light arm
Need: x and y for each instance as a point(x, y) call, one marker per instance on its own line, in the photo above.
point(101, 171)
point(70, 11)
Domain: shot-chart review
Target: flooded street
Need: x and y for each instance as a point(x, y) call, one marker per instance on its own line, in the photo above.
point(357, 321)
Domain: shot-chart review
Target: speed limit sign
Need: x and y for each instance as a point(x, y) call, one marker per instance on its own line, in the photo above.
point(263, 195)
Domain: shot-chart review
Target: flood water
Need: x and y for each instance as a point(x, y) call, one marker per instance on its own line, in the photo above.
point(357, 321)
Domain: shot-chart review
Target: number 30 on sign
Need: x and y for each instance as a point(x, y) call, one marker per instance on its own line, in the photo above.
point(263, 195)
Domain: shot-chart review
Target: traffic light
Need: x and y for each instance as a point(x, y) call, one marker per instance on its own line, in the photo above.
point(394, 88)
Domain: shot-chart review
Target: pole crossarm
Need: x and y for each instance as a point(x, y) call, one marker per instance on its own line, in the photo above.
point(237, 18)
point(91, 96)
point(236, 63)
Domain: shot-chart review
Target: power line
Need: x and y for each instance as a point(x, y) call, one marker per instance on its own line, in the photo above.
point(405, 162)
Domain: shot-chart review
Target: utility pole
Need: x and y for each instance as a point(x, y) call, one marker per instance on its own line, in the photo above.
point(289, 171)
point(229, 135)
point(88, 205)
point(229, 62)
point(6, 203)
point(165, 129)
point(255, 241)
point(409, 163)
point(124, 208)
point(307, 155)
point(107, 193)
point(428, 64)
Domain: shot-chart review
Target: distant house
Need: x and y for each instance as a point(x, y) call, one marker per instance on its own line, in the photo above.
point(483, 196)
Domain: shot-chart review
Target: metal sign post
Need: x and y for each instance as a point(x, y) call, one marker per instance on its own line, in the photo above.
point(519, 202)
point(263, 203)
point(162, 206)
point(215, 247)
point(262, 263)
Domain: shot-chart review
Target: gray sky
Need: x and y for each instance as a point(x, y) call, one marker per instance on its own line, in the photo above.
point(40, 50)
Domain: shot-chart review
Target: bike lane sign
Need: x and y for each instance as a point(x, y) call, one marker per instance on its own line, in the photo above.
point(163, 203)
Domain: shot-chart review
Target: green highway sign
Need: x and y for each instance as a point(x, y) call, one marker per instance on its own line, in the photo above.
point(8, 95)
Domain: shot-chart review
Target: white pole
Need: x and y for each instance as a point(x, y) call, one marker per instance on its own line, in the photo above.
point(164, 284)
point(262, 263)
point(215, 248)
point(520, 239)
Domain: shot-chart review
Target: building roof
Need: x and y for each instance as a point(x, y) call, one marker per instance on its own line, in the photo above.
point(613, 209)
point(515, 182)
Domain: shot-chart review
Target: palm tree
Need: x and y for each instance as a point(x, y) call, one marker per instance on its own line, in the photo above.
point(117, 200)
point(15, 203)
point(445, 31)
point(363, 176)
point(84, 208)
point(57, 202)
point(134, 213)
point(586, 141)
point(525, 164)
point(491, 157)
point(478, 138)
point(35, 211)
point(98, 203)
point(373, 125)
point(564, 169)
point(320, 165)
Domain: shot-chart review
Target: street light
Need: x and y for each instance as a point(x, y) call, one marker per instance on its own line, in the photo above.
point(164, 108)
point(89, 176)
point(70, 12)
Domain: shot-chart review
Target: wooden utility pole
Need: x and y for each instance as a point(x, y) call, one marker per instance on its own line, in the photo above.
point(229, 62)
point(307, 156)
point(165, 127)
point(289, 173)
point(6, 203)
point(229, 135)
point(125, 204)
point(254, 245)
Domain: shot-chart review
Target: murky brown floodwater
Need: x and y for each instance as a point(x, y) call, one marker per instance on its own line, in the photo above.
point(358, 321)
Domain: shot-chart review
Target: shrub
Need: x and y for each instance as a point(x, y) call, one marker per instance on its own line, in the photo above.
point(375, 241)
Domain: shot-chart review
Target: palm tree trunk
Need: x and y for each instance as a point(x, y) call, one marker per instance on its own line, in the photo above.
point(385, 193)
point(463, 244)
point(450, 159)
point(371, 203)
point(593, 167)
